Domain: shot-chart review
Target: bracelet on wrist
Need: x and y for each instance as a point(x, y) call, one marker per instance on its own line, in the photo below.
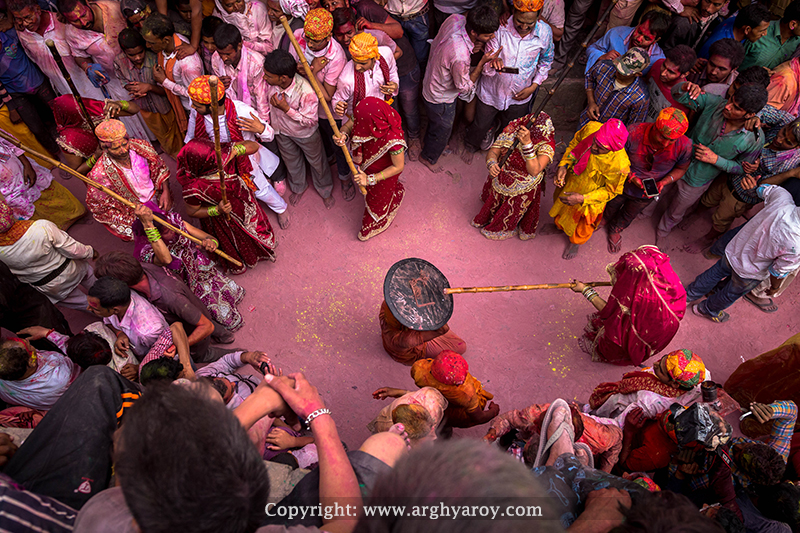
point(527, 146)
point(213, 211)
point(319, 412)
point(91, 161)
point(153, 234)
point(124, 105)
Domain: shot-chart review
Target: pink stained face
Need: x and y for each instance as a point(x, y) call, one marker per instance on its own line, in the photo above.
point(81, 17)
point(642, 36)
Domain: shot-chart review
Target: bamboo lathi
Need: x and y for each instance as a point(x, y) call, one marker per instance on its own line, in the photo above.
point(213, 82)
point(109, 192)
point(508, 288)
point(322, 101)
point(64, 72)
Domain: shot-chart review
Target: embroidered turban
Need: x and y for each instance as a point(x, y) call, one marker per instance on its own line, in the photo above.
point(449, 368)
point(319, 24)
point(110, 130)
point(685, 367)
point(528, 6)
point(672, 123)
point(295, 8)
point(200, 90)
point(363, 47)
point(612, 135)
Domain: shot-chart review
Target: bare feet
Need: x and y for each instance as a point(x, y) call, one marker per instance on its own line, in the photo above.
point(571, 251)
point(294, 198)
point(467, 155)
point(283, 219)
point(687, 222)
point(614, 242)
point(662, 241)
point(699, 245)
point(348, 189)
point(549, 229)
point(432, 167)
point(329, 201)
point(560, 422)
point(414, 148)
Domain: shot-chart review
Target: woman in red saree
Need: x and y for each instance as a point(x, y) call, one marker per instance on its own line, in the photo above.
point(75, 136)
point(511, 195)
point(247, 236)
point(643, 312)
point(378, 145)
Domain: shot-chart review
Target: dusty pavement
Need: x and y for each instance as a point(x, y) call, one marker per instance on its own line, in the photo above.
point(316, 308)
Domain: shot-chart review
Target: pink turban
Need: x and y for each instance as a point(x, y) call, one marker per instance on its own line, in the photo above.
point(612, 135)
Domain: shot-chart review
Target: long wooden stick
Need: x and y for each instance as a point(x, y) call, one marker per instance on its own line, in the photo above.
point(109, 192)
point(506, 288)
point(564, 72)
point(64, 72)
point(322, 101)
point(213, 82)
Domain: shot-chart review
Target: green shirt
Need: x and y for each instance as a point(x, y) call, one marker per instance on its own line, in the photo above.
point(732, 148)
point(768, 51)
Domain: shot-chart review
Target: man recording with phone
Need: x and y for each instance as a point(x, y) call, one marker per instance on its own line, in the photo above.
point(660, 154)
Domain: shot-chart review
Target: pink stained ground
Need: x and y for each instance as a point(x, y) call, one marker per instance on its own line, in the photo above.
point(316, 309)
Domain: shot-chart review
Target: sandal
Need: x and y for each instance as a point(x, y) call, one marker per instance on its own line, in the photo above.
point(767, 308)
point(544, 443)
point(614, 242)
point(721, 317)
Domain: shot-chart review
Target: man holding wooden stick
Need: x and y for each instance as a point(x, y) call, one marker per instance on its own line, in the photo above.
point(132, 169)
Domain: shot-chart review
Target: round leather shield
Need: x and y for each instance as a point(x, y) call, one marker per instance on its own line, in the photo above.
point(414, 291)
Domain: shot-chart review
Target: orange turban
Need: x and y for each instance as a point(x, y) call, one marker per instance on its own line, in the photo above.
point(528, 6)
point(319, 24)
point(200, 90)
point(363, 47)
point(672, 123)
point(110, 130)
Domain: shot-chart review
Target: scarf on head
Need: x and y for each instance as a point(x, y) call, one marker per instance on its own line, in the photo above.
point(612, 135)
point(360, 89)
point(242, 163)
point(377, 129)
point(11, 229)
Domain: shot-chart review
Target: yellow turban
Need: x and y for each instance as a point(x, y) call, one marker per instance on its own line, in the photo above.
point(363, 47)
point(110, 130)
point(528, 6)
point(200, 90)
point(319, 24)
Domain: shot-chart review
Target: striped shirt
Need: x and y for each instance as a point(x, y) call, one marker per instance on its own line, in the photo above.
point(26, 512)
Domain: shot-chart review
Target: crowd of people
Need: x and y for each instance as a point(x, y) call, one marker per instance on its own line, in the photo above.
point(145, 421)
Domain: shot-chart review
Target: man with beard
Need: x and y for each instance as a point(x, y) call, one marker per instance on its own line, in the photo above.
point(130, 168)
point(619, 40)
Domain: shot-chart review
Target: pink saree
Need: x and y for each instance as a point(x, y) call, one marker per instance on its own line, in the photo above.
point(643, 312)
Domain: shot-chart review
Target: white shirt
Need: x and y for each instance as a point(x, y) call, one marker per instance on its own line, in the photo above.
point(769, 244)
point(247, 78)
point(183, 72)
point(42, 389)
point(404, 8)
point(264, 162)
point(373, 80)
point(532, 55)
point(40, 251)
point(447, 75)
point(230, 367)
point(143, 323)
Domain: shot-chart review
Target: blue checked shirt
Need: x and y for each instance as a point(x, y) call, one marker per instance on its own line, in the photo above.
point(772, 161)
point(628, 104)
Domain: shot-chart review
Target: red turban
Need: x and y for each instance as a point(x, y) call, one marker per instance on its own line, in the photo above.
point(449, 368)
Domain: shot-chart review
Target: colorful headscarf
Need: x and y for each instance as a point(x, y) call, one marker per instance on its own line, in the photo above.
point(377, 129)
point(200, 90)
point(319, 24)
point(611, 135)
point(363, 47)
point(685, 367)
point(528, 6)
point(449, 368)
point(11, 229)
point(295, 8)
point(111, 130)
point(672, 123)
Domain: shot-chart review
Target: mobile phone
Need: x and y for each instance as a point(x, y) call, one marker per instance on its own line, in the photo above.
point(650, 187)
point(509, 70)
